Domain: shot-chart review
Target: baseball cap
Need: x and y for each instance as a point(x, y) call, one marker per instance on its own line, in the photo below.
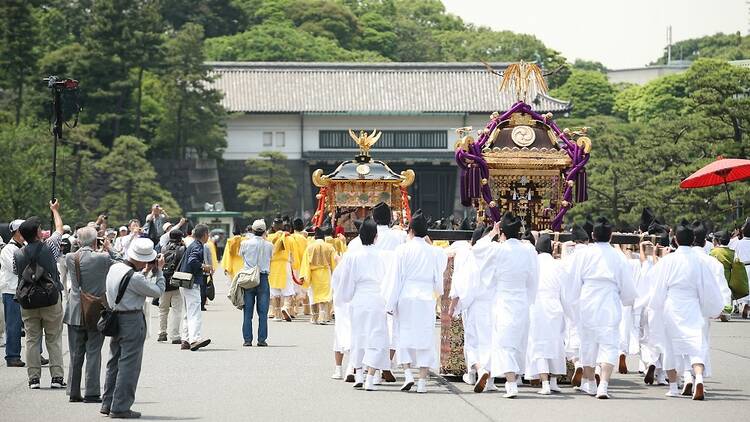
point(14, 225)
point(259, 225)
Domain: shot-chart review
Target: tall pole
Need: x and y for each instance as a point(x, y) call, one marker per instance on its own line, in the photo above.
point(57, 132)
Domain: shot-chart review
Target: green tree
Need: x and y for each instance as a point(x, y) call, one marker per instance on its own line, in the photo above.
point(268, 186)
point(589, 65)
point(193, 117)
point(147, 50)
point(24, 181)
point(325, 18)
point(217, 17)
point(718, 46)
point(590, 92)
point(18, 55)
point(132, 186)
point(643, 103)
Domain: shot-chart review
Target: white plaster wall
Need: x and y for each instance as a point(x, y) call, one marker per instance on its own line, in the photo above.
point(245, 132)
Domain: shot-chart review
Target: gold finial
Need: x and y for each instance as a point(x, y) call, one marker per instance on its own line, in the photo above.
point(365, 140)
point(520, 77)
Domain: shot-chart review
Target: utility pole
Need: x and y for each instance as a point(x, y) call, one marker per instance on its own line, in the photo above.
point(669, 45)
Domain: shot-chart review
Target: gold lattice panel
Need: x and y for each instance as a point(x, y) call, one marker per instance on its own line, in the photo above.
point(527, 193)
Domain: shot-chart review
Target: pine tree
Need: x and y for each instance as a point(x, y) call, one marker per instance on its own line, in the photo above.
point(268, 186)
point(18, 37)
point(132, 182)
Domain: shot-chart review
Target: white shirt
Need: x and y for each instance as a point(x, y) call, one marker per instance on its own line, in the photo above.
point(8, 279)
point(388, 238)
point(257, 251)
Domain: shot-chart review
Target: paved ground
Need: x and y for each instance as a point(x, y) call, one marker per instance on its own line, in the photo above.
point(290, 381)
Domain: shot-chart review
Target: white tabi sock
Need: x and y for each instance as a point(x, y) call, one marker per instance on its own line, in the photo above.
point(602, 389)
point(687, 376)
point(699, 379)
point(673, 389)
point(553, 384)
point(408, 375)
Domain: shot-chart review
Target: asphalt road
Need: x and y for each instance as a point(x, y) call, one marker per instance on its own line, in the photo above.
point(290, 381)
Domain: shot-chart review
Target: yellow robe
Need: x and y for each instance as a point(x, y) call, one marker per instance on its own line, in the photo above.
point(231, 261)
point(212, 250)
point(338, 244)
point(317, 264)
point(297, 243)
point(279, 260)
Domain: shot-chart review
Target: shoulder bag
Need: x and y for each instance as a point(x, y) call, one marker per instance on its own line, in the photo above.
point(91, 305)
point(182, 278)
point(108, 323)
point(249, 278)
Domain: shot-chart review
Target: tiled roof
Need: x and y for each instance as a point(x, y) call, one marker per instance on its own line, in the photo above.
point(366, 88)
point(387, 156)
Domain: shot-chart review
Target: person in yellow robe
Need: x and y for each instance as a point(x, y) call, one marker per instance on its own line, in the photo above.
point(317, 264)
point(279, 278)
point(297, 243)
point(231, 261)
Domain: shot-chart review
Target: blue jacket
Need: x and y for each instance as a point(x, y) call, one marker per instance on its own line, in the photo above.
point(193, 262)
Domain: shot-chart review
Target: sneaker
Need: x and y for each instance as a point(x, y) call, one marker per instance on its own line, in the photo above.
point(176, 341)
point(57, 382)
point(388, 376)
point(34, 384)
point(75, 399)
point(261, 343)
point(162, 337)
point(15, 363)
point(43, 361)
point(199, 344)
point(130, 414)
point(247, 344)
point(481, 381)
point(92, 399)
point(698, 393)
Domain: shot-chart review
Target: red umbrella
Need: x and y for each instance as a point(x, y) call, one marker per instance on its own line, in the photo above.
point(720, 172)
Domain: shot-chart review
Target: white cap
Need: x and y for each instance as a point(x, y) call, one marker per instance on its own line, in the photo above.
point(259, 225)
point(122, 228)
point(15, 224)
point(142, 250)
point(166, 226)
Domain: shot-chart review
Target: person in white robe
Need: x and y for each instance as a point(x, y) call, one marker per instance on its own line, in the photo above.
point(572, 339)
point(629, 334)
point(473, 302)
point(601, 284)
point(511, 270)
point(418, 279)
point(388, 240)
point(685, 295)
point(545, 355)
point(363, 268)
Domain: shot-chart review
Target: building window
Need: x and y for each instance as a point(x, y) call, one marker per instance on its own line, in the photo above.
point(267, 139)
point(391, 139)
point(280, 139)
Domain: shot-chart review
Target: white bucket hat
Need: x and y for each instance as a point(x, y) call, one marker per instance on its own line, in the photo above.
point(142, 250)
point(259, 225)
point(166, 226)
point(15, 224)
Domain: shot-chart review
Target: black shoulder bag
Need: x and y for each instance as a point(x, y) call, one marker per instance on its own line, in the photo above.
point(108, 324)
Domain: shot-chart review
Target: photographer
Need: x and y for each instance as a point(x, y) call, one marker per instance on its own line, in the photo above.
point(87, 272)
point(194, 264)
point(126, 348)
point(124, 241)
point(173, 253)
point(154, 225)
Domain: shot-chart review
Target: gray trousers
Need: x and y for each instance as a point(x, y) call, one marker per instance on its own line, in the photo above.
point(124, 364)
point(84, 345)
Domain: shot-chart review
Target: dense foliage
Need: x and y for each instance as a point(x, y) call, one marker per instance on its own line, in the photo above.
point(145, 93)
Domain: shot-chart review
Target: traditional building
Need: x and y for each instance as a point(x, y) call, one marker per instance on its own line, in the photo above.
point(304, 110)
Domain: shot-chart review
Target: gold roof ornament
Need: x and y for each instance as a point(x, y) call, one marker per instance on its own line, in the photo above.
point(365, 140)
point(520, 77)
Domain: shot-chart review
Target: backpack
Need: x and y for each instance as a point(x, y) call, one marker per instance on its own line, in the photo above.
point(172, 254)
point(37, 288)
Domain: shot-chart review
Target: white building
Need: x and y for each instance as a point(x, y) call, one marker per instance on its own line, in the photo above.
point(306, 109)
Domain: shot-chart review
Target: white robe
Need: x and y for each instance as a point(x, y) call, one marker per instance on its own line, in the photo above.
point(474, 305)
point(601, 284)
point(388, 240)
point(546, 346)
point(685, 294)
point(418, 279)
point(572, 338)
point(630, 322)
point(510, 269)
point(365, 269)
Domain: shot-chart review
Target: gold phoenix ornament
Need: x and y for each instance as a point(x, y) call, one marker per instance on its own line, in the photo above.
point(365, 140)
